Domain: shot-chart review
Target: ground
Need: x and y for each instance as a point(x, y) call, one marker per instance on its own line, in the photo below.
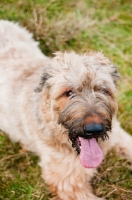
point(82, 26)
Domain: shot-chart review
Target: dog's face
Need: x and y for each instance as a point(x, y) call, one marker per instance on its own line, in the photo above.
point(81, 91)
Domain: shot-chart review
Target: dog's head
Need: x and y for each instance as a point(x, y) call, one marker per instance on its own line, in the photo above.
point(81, 92)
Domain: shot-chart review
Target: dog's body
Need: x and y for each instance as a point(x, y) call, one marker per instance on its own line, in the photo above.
point(49, 105)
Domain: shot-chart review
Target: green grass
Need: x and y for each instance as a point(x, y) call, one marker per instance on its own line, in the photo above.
point(66, 25)
point(20, 176)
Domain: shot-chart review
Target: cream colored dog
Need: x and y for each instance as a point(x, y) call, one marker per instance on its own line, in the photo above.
point(59, 108)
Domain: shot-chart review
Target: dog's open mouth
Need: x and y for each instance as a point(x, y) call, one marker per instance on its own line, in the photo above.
point(91, 154)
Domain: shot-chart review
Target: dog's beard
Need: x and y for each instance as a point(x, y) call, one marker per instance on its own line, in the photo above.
point(87, 147)
point(76, 143)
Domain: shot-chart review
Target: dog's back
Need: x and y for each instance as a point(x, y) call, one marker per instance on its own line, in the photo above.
point(16, 42)
point(20, 62)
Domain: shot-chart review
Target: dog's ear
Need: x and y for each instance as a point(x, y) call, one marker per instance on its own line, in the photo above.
point(115, 75)
point(43, 80)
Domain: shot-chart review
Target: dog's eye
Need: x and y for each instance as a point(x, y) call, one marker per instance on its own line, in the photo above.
point(104, 91)
point(69, 93)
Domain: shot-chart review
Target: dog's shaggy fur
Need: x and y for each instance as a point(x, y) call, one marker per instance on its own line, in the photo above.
point(49, 105)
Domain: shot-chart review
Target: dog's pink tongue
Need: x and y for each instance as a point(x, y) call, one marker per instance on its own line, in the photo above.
point(91, 154)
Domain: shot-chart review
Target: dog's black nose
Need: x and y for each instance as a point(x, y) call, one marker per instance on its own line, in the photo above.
point(93, 129)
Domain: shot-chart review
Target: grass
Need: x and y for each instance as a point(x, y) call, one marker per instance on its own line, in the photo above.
point(66, 25)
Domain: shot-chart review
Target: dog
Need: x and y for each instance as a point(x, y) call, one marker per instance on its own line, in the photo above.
point(62, 108)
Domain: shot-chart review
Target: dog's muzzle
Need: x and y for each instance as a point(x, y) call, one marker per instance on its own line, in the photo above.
point(90, 152)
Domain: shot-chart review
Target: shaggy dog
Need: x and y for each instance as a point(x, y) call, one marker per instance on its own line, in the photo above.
point(62, 108)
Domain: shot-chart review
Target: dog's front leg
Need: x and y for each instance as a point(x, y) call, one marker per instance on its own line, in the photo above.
point(67, 178)
point(120, 140)
point(123, 140)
